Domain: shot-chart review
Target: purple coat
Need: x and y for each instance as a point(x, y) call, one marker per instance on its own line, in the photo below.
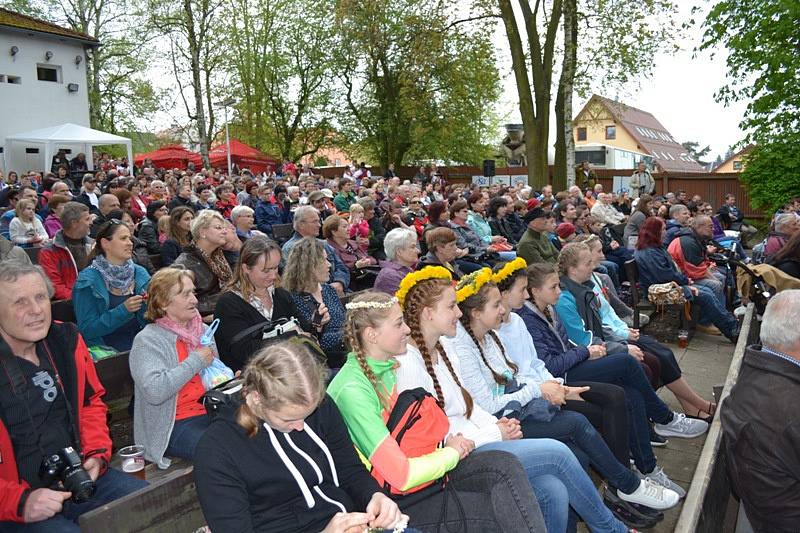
point(51, 225)
point(390, 276)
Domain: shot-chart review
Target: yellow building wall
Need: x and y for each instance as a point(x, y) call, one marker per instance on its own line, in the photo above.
point(596, 134)
point(728, 166)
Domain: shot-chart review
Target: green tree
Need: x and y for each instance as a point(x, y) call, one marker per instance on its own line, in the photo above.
point(695, 152)
point(418, 83)
point(281, 67)
point(762, 40)
point(120, 92)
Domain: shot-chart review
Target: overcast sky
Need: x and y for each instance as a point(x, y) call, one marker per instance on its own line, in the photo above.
point(680, 93)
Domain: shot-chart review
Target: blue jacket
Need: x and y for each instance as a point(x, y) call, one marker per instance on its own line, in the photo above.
point(268, 214)
point(656, 266)
point(552, 344)
point(90, 300)
point(672, 230)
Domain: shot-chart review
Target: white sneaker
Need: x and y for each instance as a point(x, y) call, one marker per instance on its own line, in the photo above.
point(628, 320)
point(652, 495)
point(659, 477)
point(740, 311)
point(682, 427)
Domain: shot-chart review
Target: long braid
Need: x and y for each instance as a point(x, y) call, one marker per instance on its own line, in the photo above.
point(411, 312)
point(355, 346)
point(498, 378)
point(510, 364)
point(464, 393)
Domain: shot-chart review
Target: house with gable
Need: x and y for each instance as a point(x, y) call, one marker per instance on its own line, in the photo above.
point(611, 134)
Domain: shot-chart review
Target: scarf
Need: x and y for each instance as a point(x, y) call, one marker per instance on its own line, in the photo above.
point(117, 277)
point(217, 263)
point(190, 334)
point(588, 306)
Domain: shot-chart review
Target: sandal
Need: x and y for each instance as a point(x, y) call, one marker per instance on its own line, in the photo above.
point(712, 409)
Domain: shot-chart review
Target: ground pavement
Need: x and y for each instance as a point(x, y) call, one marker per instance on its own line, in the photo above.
point(704, 363)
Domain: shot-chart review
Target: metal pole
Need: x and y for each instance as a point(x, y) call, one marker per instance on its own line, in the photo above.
point(228, 142)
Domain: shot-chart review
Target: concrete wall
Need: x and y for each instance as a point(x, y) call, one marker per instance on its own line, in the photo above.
point(32, 104)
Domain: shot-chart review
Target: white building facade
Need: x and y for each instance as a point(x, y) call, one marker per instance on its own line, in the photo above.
point(42, 83)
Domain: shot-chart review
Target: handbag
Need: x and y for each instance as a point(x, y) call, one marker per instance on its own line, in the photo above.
point(224, 398)
point(661, 294)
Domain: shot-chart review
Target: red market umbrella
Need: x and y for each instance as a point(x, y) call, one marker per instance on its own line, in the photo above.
point(171, 156)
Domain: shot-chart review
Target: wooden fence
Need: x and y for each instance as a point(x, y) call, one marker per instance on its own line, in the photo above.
point(711, 187)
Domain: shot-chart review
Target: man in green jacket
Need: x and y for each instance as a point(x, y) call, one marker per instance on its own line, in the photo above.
point(535, 245)
point(346, 197)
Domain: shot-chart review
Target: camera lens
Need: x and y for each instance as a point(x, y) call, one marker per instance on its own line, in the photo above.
point(78, 482)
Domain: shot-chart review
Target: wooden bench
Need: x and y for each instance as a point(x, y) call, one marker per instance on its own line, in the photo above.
point(115, 375)
point(167, 505)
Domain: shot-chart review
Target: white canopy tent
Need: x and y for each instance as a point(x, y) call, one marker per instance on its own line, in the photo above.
point(56, 137)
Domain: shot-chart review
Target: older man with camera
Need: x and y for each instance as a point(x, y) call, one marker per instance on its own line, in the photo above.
point(54, 441)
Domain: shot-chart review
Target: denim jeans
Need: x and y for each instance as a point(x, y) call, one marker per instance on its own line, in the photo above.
point(604, 407)
point(491, 494)
point(185, 435)
point(109, 487)
point(641, 399)
point(507, 256)
point(574, 429)
point(611, 269)
point(467, 266)
point(559, 483)
point(716, 283)
point(712, 312)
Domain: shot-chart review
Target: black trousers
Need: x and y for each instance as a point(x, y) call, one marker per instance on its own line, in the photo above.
point(604, 406)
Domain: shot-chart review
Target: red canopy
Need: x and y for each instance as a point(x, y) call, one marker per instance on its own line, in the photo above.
point(171, 156)
point(242, 155)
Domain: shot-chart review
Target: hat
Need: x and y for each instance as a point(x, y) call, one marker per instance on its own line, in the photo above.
point(532, 203)
point(327, 192)
point(314, 196)
point(565, 229)
point(533, 214)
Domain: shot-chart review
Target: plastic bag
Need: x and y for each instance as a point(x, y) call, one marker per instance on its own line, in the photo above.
point(215, 374)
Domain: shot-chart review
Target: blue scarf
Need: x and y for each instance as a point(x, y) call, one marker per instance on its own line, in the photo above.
point(117, 277)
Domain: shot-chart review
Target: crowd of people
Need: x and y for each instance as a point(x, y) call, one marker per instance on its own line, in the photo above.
point(501, 313)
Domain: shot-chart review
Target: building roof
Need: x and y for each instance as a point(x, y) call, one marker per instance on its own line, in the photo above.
point(737, 155)
point(18, 21)
point(651, 136)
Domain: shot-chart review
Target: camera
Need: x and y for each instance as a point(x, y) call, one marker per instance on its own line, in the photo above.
point(66, 466)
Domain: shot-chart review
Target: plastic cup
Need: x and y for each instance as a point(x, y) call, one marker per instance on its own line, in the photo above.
point(133, 460)
point(683, 338)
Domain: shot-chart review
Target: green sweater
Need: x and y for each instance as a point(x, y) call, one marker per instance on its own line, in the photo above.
point(535, 247)
point(366, 421)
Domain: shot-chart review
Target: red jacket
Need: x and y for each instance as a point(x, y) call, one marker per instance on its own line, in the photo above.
point(91, 414)
point(58, 264)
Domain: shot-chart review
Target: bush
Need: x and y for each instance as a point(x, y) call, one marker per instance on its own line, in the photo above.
point(771, 175)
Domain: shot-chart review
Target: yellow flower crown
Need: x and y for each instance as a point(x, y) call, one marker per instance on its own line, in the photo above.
point(429, 272)
point(470, 285)
point(508, 269)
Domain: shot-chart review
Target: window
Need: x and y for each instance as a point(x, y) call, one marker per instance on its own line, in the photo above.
point(595, 157)
point(611, 132)
point(31, 150)
point(48, 73)
point(581, 134)
point(737, 165)
point(15, 80)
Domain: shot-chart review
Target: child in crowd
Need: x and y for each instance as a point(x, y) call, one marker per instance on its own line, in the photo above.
point(25, 228)
point(359, 227)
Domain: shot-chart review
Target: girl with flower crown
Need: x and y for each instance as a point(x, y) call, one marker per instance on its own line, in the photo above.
point(500, 387)
point(489, 485)
point(431, 311)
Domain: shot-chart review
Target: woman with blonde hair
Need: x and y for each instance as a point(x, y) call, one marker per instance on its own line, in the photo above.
point(365, 392)
point(205, 258)
point(431, 311)
point(166, 360)
point(306, 276)
point(284, 461)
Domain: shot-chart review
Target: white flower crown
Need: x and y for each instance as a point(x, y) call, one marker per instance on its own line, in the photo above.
point(352, 306)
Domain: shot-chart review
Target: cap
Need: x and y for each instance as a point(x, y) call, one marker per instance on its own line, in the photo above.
point(532, 203)
point(314, 196)
point(327, 192)
point(565, 229)
point(533, 214)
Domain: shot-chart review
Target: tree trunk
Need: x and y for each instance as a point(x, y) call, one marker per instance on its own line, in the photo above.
point(194, 54)
point(520, 68)
point(565, 142)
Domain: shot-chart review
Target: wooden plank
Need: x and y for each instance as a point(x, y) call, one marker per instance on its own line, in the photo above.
point(115, 375)
point(168, 505)
point(706, 503)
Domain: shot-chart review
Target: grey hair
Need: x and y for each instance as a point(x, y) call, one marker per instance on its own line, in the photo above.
point(203, 219)
point(292, 188)
point(11, 271)
point(700, 219)
point(396, 239)
point(367, 203)
point(779, 329)
point(783, 219)
point(675, 209)
point(301, 213)
point(239, 210)
point(72, 213)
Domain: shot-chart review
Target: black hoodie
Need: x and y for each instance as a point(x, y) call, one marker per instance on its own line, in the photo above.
point(263, 484)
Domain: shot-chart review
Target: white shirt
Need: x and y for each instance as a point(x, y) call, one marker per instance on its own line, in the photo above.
point(481, 427)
